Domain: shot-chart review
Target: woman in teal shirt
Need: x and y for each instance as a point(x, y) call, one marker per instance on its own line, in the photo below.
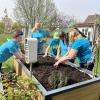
point(52, 46)
point(64, 46)
point(81, 49)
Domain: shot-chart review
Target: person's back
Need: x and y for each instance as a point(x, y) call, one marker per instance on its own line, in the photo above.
point(7, 50)
point(84, 50)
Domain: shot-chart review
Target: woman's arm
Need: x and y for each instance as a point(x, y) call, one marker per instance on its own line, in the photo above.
point(69, 48)
point(72, 53)
point(19, 55)
point(58, 53)
point(46, 52)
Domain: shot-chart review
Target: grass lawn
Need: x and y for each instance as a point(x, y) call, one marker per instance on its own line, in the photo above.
point(4, 37)
point(9, 64)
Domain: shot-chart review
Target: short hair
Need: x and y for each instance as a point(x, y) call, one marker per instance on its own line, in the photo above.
point(17, 33)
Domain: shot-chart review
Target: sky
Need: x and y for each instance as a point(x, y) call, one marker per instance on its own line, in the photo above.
point(78, 8)
point(9, 5)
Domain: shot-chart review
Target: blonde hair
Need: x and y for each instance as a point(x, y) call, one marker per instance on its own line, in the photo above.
point(74, 33)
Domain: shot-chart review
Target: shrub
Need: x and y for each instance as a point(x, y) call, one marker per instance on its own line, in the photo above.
point(18, 87)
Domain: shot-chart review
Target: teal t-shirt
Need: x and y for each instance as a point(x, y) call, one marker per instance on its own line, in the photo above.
point(84, 50)
point(53, 46)
point(8, 49)
point(64, 47)
point(39, 35)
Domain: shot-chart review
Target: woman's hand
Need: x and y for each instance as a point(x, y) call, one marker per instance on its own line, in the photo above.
point(45, 55)
point(57, 58)
point(56, 64)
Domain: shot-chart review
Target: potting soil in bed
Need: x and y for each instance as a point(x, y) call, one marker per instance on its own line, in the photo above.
point(44, 67)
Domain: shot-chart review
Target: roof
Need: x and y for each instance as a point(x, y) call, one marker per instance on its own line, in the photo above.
point(89, 22)
point(91, 18)
point(84, 25)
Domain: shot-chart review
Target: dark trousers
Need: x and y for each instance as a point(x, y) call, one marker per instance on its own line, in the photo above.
point(0, 66)
point(72, 60)
point(87, 66)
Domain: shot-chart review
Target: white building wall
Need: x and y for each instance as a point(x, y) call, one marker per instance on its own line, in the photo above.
point(88, 31)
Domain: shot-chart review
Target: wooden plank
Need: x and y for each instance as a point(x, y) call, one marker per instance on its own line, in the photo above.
point(39, 96)
point(91, 97)
point(18, 67)
point(91, 92)
point(1, 87)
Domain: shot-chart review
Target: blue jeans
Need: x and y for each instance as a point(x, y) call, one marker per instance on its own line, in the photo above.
point(40, 48)
point(87, 66)
point(72, 60)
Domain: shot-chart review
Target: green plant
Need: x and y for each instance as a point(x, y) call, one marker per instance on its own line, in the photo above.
point(2, 97)
point(18, 87)
point(57, 79)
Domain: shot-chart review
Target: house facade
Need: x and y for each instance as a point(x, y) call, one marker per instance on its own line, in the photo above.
point(90, 27)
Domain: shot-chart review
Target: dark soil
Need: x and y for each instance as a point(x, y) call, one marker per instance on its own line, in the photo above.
point(43, 68)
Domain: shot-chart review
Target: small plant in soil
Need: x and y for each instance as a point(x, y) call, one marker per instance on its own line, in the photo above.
point(57, 79)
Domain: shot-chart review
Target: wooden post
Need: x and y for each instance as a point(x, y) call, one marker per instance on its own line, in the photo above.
point(18, 67)
point(31, 70)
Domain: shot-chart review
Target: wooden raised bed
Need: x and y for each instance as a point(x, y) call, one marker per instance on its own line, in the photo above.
point(87, 89)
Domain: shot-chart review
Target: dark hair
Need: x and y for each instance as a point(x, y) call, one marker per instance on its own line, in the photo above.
point(80, 32)
point(17, 33)
point(65, 36)
point(62, 34)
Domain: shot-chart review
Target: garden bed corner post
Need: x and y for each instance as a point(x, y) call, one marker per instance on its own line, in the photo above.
point(18, 67)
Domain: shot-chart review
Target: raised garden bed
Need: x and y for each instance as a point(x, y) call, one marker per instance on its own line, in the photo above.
point(80, 85)
point(44, 71)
